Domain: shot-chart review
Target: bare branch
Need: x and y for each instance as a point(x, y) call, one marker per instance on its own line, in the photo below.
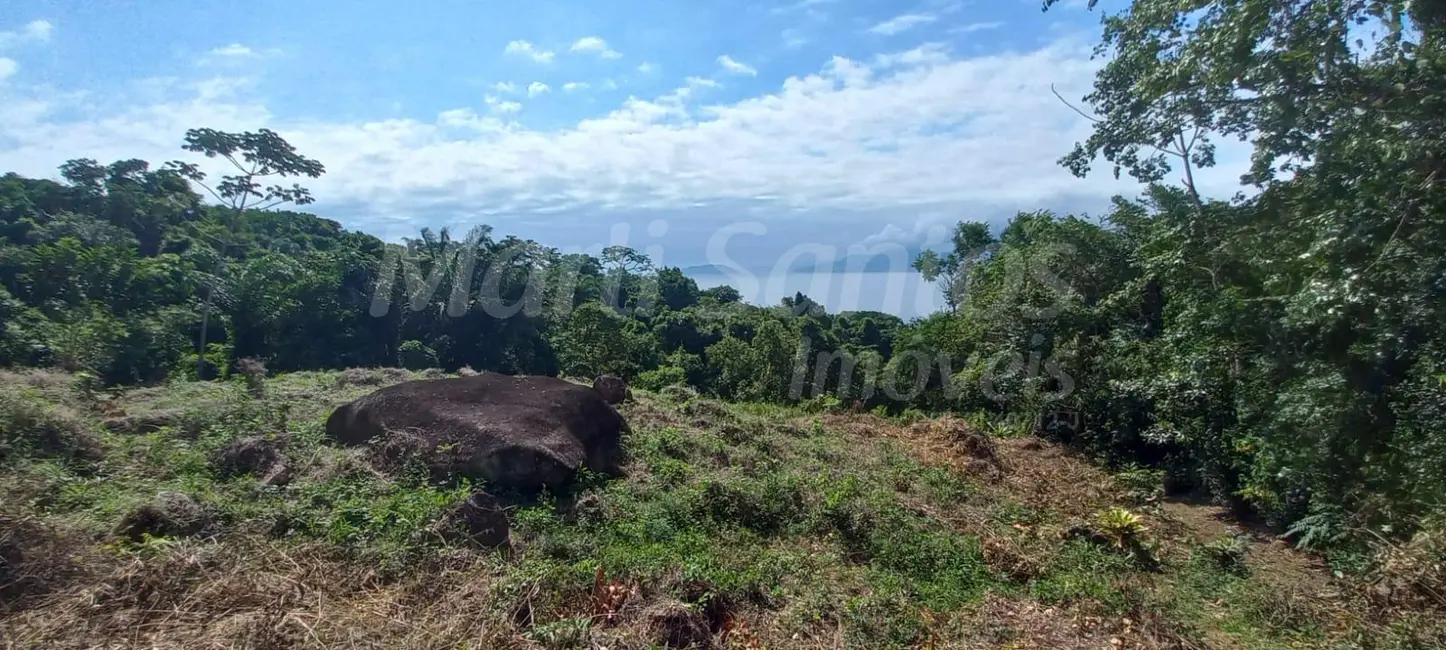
point(1073, 107)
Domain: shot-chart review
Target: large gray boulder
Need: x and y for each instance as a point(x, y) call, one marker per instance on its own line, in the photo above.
point(524, 433)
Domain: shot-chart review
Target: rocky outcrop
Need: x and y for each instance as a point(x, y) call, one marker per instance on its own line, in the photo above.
point(523, 433)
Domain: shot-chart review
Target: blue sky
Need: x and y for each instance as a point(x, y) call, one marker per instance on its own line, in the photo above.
point(580, 123)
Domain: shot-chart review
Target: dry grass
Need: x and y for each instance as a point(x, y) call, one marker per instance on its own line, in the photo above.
point(244, 593)
point(1412, 574)
point(1027, 470)
point(63, 586)
point(1004, 622)
point(1296, 587)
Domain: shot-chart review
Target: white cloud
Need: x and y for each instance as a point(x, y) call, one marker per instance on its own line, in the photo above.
point(928, 53)
point(734, 67)
point(499, 106)
point(505, 87)
point(646, 68)
point(234, 50)
point(537, 88)
point(905, 134)
point(574, 86)
point(7, 68)
point(902, 23)
point(793, 38)
point(700, 82)
point(595, 45)
point(801, 4)
point(35, 31)
point(976, 27)
point(524, 48)
point(234, 54)
point(39, 29)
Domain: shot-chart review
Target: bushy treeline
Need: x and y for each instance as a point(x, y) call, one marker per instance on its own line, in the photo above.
point(1284, 349)
point(111, 272)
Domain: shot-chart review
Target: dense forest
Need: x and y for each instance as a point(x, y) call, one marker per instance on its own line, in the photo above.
point(1283, 350)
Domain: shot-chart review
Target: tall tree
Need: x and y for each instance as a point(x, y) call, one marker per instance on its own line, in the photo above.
point(255, 156)
point(1298, 322)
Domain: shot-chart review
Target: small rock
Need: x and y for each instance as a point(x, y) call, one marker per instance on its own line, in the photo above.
point(612, 388)
point(479, 519)
point(170, 514)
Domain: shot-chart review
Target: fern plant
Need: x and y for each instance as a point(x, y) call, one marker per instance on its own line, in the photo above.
point(1318, 530)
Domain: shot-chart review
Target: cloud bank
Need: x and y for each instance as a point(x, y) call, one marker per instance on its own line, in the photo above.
point(899, 139)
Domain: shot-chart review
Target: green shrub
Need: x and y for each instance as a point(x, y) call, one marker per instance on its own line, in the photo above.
point(415, 355)
point(661, 378)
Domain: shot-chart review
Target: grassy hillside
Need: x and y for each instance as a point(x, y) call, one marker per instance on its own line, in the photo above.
point(737, 526)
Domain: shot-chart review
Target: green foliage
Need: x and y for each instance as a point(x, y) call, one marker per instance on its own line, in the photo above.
point(1228, 553)
point(661, 378)
point(597, 341)
point(1124, 528)
point(415, 355)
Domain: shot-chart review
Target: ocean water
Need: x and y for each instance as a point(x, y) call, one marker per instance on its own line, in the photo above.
point(902, 293)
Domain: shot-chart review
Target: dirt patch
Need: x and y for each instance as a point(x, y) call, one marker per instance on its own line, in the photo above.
point(863, 425)
point(1282, 564)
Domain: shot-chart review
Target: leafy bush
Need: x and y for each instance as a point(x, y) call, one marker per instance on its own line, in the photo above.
point(415, 355)
point(661, 378)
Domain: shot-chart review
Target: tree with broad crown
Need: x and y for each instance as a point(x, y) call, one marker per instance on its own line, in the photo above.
point(255, 155)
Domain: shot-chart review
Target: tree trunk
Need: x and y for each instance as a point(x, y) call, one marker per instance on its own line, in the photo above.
point(201, 342)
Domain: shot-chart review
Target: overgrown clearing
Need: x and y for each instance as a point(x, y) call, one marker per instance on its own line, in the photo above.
point(739, 526)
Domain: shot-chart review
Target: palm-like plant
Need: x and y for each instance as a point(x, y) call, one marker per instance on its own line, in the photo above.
point(1123, 527)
